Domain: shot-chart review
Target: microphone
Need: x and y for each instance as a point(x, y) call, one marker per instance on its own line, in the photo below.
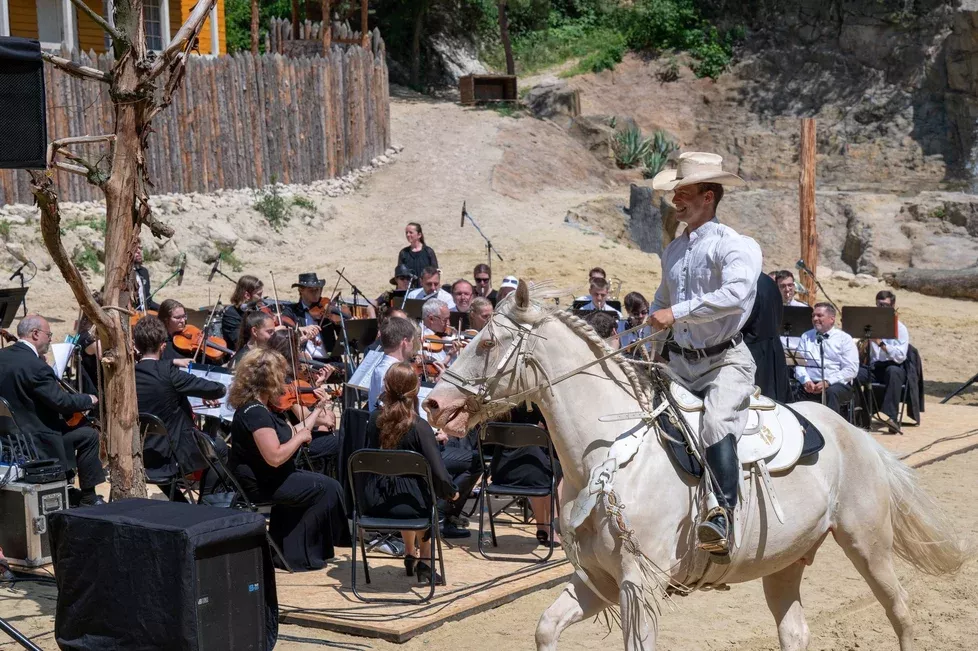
point(462, 224)
point(214, 268)
point(18, 272)
point(183, 268)
point(801, 265)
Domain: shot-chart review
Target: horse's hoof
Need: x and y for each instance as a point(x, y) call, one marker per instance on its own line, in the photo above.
point(720, 559)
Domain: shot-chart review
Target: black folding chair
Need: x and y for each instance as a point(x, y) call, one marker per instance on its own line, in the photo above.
point(230, 482)
point(513, 435)
point(160, 461)
point(873, 392)
point(392, 463)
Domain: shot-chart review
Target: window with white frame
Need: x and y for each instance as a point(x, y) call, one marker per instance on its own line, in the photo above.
point(153, 24)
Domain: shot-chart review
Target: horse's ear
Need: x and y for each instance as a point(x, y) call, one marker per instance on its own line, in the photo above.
point(522, 295)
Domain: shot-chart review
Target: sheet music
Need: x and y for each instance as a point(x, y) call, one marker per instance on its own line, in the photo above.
point(224, 411)
point(60, 357)
point(422, 394)
point(361, 377)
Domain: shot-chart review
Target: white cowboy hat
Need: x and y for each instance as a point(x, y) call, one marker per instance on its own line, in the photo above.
point(695, 167)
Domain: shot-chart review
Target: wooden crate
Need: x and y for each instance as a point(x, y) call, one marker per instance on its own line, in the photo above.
point(487, 88)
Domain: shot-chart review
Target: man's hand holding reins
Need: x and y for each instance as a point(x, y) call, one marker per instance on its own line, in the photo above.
point(662, 319)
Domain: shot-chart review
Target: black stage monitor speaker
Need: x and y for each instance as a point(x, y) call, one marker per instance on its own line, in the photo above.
point(23, 122)
point(152, 575)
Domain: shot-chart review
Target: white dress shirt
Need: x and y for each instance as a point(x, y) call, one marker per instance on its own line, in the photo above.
point(441, 294)
point(442, 355)
point(315, 345)
point(29, 345)
point(896, 349)
point(709, 278)
point(841, 358)
point(377, 380)
point(589, 306)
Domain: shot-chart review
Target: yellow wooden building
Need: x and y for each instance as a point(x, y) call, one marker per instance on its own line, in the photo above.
point(54, 22)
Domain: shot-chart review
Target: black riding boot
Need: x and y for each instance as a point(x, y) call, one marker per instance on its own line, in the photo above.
point(714, 532)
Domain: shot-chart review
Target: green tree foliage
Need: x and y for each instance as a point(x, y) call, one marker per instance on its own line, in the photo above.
point(238, 21)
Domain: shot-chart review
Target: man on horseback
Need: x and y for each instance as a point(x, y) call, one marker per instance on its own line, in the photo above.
point(709, 281)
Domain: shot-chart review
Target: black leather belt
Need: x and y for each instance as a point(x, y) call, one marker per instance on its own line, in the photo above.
point(700, 353)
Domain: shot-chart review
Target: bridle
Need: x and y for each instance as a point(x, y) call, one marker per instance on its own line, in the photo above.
point(520, 352)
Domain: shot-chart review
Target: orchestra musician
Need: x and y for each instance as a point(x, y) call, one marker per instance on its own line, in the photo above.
point(507, 287)
point(416, 256)
point(598, 295)
point(637, 307)
point(308, 518)
point(40, 404)
point(835, 352)
point(884, 364)
point(174, 317)
point(479, 313)
point(431, 288)
point(319, 340)
point(248, 290)
point(462, 293)
point(402, 280)
point(163, 391)
point(592, 275)
point(436, 322)
point(256, 329)
point(483, 282)
point(786, 285)
point(140, 279)
point(399, 339)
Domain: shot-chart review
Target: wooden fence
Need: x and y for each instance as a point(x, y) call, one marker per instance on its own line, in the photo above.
point(236, 121)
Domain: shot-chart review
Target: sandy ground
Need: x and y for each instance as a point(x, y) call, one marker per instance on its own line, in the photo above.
point(842, 613)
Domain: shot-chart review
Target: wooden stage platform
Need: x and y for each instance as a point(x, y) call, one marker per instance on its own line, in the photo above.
point(323, 599)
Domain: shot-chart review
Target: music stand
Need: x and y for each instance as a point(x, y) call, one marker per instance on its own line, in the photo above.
point(869, 322)
point(412, 307)
point(459, 321)
point(10, 301)
point(795, 321)
point(360, 333)
point(397, 298)
point(581, 302)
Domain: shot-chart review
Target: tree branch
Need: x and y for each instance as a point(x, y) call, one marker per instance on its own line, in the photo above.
point(72, 68)
point(47, 200)
point(99, 20)
point(183, 38)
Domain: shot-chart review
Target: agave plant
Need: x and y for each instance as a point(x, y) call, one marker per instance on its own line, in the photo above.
point(631, 147)
point(660, 146)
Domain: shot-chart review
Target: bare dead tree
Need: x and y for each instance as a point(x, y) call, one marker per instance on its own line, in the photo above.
point(502, 6)
point(133, 82)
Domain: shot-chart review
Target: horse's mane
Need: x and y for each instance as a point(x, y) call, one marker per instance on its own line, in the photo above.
point(542, 308)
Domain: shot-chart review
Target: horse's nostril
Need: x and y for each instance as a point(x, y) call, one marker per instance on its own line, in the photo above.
point(431, 404)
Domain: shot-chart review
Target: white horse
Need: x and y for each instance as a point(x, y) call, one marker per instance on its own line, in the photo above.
point(629, 549)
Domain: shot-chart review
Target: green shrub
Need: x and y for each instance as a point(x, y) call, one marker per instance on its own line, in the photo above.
point(86, 257)
point(226, 253)
point(5, 230)
point(655, 158)
point(304, 202)
point(631, 147)
point(276, 209)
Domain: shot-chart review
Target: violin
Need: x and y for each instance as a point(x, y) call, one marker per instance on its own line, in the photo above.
point(134, 318)
point(425, 367)
point(265, 308)
point(295, 393)
point(324, 308)
point(8, 337)
point(191, 338)
point(437, 343)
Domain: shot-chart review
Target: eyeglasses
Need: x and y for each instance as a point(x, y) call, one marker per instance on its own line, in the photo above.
point(482, 280)
point(179, 317)
point(45, 332)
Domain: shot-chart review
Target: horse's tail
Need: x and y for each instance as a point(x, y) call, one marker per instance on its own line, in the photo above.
point(923, 535)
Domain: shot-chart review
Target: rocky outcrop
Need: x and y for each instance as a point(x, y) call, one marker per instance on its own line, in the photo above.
point(553, 99)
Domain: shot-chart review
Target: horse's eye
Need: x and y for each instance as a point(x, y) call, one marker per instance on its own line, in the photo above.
point(486, 344)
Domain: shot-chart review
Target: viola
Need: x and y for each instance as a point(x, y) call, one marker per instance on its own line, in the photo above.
point(191, 338)
point(437, 342)
point(324, 308)
point(295, 393)
point(8, 337)
point(134, 318)
point(425, 367)
point(265, 308)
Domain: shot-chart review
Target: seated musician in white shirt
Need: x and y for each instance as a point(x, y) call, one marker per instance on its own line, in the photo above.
point(786, 285)
point(399, 339)
point(598, 294)
point(431, 288)
point(596, 272)
point(886, 357)
point(831, 361)
point(435, 323)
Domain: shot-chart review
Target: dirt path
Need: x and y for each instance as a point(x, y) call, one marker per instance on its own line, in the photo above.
point(842, 613)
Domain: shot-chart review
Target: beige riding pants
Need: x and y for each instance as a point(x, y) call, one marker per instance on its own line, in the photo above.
point(726, 382)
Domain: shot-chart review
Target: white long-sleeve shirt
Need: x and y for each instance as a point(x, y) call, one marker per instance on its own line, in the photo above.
point(377, 380)
point(709, 278)
point(440, 294)
point(841, 358)
point(896, 349)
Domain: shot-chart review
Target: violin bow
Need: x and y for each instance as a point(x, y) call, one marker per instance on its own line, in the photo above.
point(278, 306)
point(207, 324)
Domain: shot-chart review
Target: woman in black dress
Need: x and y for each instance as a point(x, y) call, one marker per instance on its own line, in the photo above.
point(416, 255)
point(308, 518)
point(248, 291)
point(396, 425)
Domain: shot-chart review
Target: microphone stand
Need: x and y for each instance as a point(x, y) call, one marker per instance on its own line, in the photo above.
point(821, 365)
point(803, 267)
point(357, 292)
point(490, 249)
point(217, 270)
point(20, 273)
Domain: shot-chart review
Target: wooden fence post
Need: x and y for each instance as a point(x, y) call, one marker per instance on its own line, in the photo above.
point(806, 202)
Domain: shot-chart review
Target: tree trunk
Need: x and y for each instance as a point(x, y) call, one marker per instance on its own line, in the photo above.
point(295, 19)
point(955, 283)
point(419, 17)
point(254, 27)
point(327, 31)
point(504, 36)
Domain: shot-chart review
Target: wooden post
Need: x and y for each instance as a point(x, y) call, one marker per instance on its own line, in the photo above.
point(806, 202)
point(327, 31)
point(364, 32)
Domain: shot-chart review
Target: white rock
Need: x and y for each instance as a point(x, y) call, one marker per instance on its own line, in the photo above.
point(16, 249)
point(221, 233)
point(14, 219)
point(384, 160)
point(843, 275)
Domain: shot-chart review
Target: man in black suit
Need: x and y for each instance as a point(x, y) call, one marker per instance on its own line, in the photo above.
point(761, 334)
point(40, 404)
point(162, 390)
point(140, 279)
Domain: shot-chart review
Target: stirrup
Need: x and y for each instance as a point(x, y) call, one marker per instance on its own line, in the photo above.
point(721, 545)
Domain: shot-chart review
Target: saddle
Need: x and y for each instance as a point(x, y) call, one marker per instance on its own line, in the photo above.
point(775, 434)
